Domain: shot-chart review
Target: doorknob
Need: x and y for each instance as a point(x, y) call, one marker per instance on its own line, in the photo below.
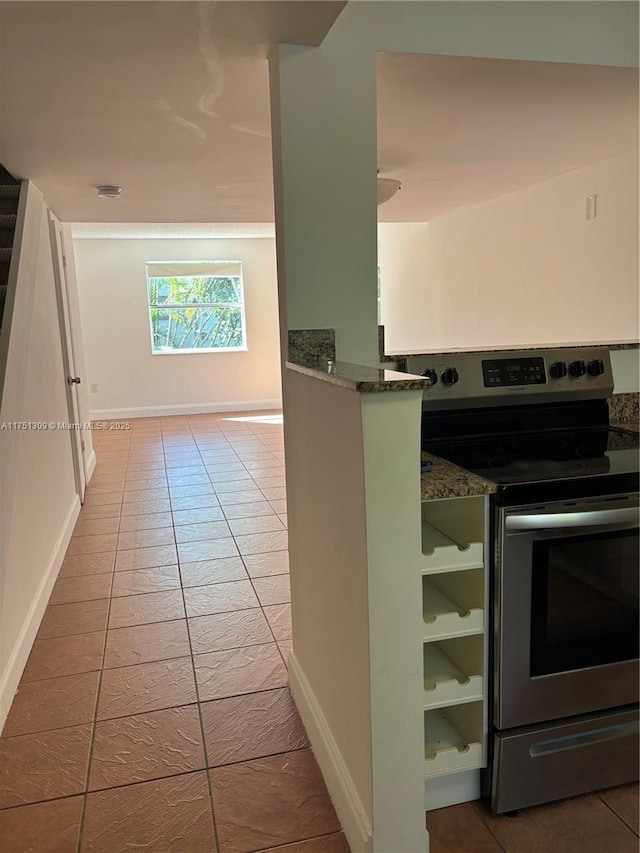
point(73, 380)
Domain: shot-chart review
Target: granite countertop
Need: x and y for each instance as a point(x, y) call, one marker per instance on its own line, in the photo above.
point(446, 480)
point(357, 377)
point(633, 427)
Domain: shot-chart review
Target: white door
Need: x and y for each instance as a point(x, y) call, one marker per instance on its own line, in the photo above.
point(71, 378)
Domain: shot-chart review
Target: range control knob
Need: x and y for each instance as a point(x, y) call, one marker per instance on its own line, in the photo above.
point(577, 368)
point(449, 376)
point(558, 369)
point(431, 375)
point(596, 367)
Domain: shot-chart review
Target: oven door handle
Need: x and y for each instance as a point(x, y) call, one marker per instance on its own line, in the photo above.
point(627, 516)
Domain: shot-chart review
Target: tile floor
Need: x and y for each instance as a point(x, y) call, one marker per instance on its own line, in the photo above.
point(606, 822)
point(154, 712)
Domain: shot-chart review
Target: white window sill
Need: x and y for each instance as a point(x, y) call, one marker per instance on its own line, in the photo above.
point(216, 351)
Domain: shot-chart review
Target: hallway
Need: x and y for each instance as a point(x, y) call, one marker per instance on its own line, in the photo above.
point(154, 712)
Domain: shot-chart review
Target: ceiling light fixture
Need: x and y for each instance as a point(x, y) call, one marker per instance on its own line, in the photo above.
point(387, 188)
point(108, 191)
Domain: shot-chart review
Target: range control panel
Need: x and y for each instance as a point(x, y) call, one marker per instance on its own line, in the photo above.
point(458, 380)
point(513, 371)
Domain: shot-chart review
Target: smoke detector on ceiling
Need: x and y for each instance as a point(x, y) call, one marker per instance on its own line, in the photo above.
point(108, 191)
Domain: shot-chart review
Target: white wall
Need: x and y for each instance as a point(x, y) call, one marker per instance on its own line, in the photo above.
point(38, 501)
point(115, 323)
point(526, 269)
point(324, 133)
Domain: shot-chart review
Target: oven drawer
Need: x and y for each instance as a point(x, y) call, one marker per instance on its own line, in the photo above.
point(544, 763)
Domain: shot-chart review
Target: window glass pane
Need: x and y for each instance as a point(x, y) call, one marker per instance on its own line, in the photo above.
point(196, 328)
point(183, 290)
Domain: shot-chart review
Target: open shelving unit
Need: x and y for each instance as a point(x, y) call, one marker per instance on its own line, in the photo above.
point(444, 554)
point(453, 604)
point(452, 672)
point(453, 739)
point(453, 609)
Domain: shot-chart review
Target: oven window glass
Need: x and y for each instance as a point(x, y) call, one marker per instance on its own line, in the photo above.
point(584, 603)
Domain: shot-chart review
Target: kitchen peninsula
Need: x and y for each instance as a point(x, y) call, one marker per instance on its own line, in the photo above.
point(379, 554)
point(389, 566)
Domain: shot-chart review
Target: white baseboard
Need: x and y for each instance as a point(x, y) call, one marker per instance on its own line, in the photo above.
point(187, 409)
point(452, 789)
point(341, 787)
point(12, 674)
point(91, 466)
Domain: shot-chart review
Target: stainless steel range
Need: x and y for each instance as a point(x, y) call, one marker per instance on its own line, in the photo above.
point(564, 562)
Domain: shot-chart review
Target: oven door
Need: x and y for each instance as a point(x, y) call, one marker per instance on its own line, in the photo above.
point(566, 609)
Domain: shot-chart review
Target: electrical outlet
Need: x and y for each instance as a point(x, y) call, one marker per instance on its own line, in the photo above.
point(94, 387)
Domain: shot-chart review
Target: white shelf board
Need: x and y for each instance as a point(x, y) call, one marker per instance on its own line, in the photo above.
point(444, 683)
point(442, 554)
point(446, 751)
point(443, 617)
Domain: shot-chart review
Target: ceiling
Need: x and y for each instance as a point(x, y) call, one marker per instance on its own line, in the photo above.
point(458, 130)
point(170, 100)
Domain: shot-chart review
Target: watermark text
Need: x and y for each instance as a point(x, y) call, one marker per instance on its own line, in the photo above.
point(53, 426)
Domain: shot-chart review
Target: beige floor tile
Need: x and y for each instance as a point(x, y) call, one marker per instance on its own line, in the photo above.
point(221, 631)
point(145, 643)
point(279, 618)
point(242, 728)
point(92, 544)
point(581, 825)
point(146, 687)
point(50, 827)
point(52, 704)
point(238, 671)
point(87, 564)
point(147, 521)
point(145, 538)
point(82, 588)
point(260, 524)
point(93, 526)
point(269, 801)
point(220, 598)
point(81, 617)
point(146, 608)
point(623, 801)
point(61, 759)
point(202, 531)
point(247, 510)
point(146, 558)
point(260, 543)
point(214, 549)
point(146, 746)
point(164, 816)
point(157, 579)
point(274, 589)
point(64, 656)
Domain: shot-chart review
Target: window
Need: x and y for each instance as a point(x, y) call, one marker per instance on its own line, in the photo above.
point(196, 307)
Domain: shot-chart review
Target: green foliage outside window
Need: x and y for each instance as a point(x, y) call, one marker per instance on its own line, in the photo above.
point(196, 312)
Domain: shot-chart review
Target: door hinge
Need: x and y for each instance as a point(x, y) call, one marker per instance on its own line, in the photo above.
point(64, 260)
point(82, 443)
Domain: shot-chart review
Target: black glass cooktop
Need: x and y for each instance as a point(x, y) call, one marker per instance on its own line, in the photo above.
point(543, 456)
